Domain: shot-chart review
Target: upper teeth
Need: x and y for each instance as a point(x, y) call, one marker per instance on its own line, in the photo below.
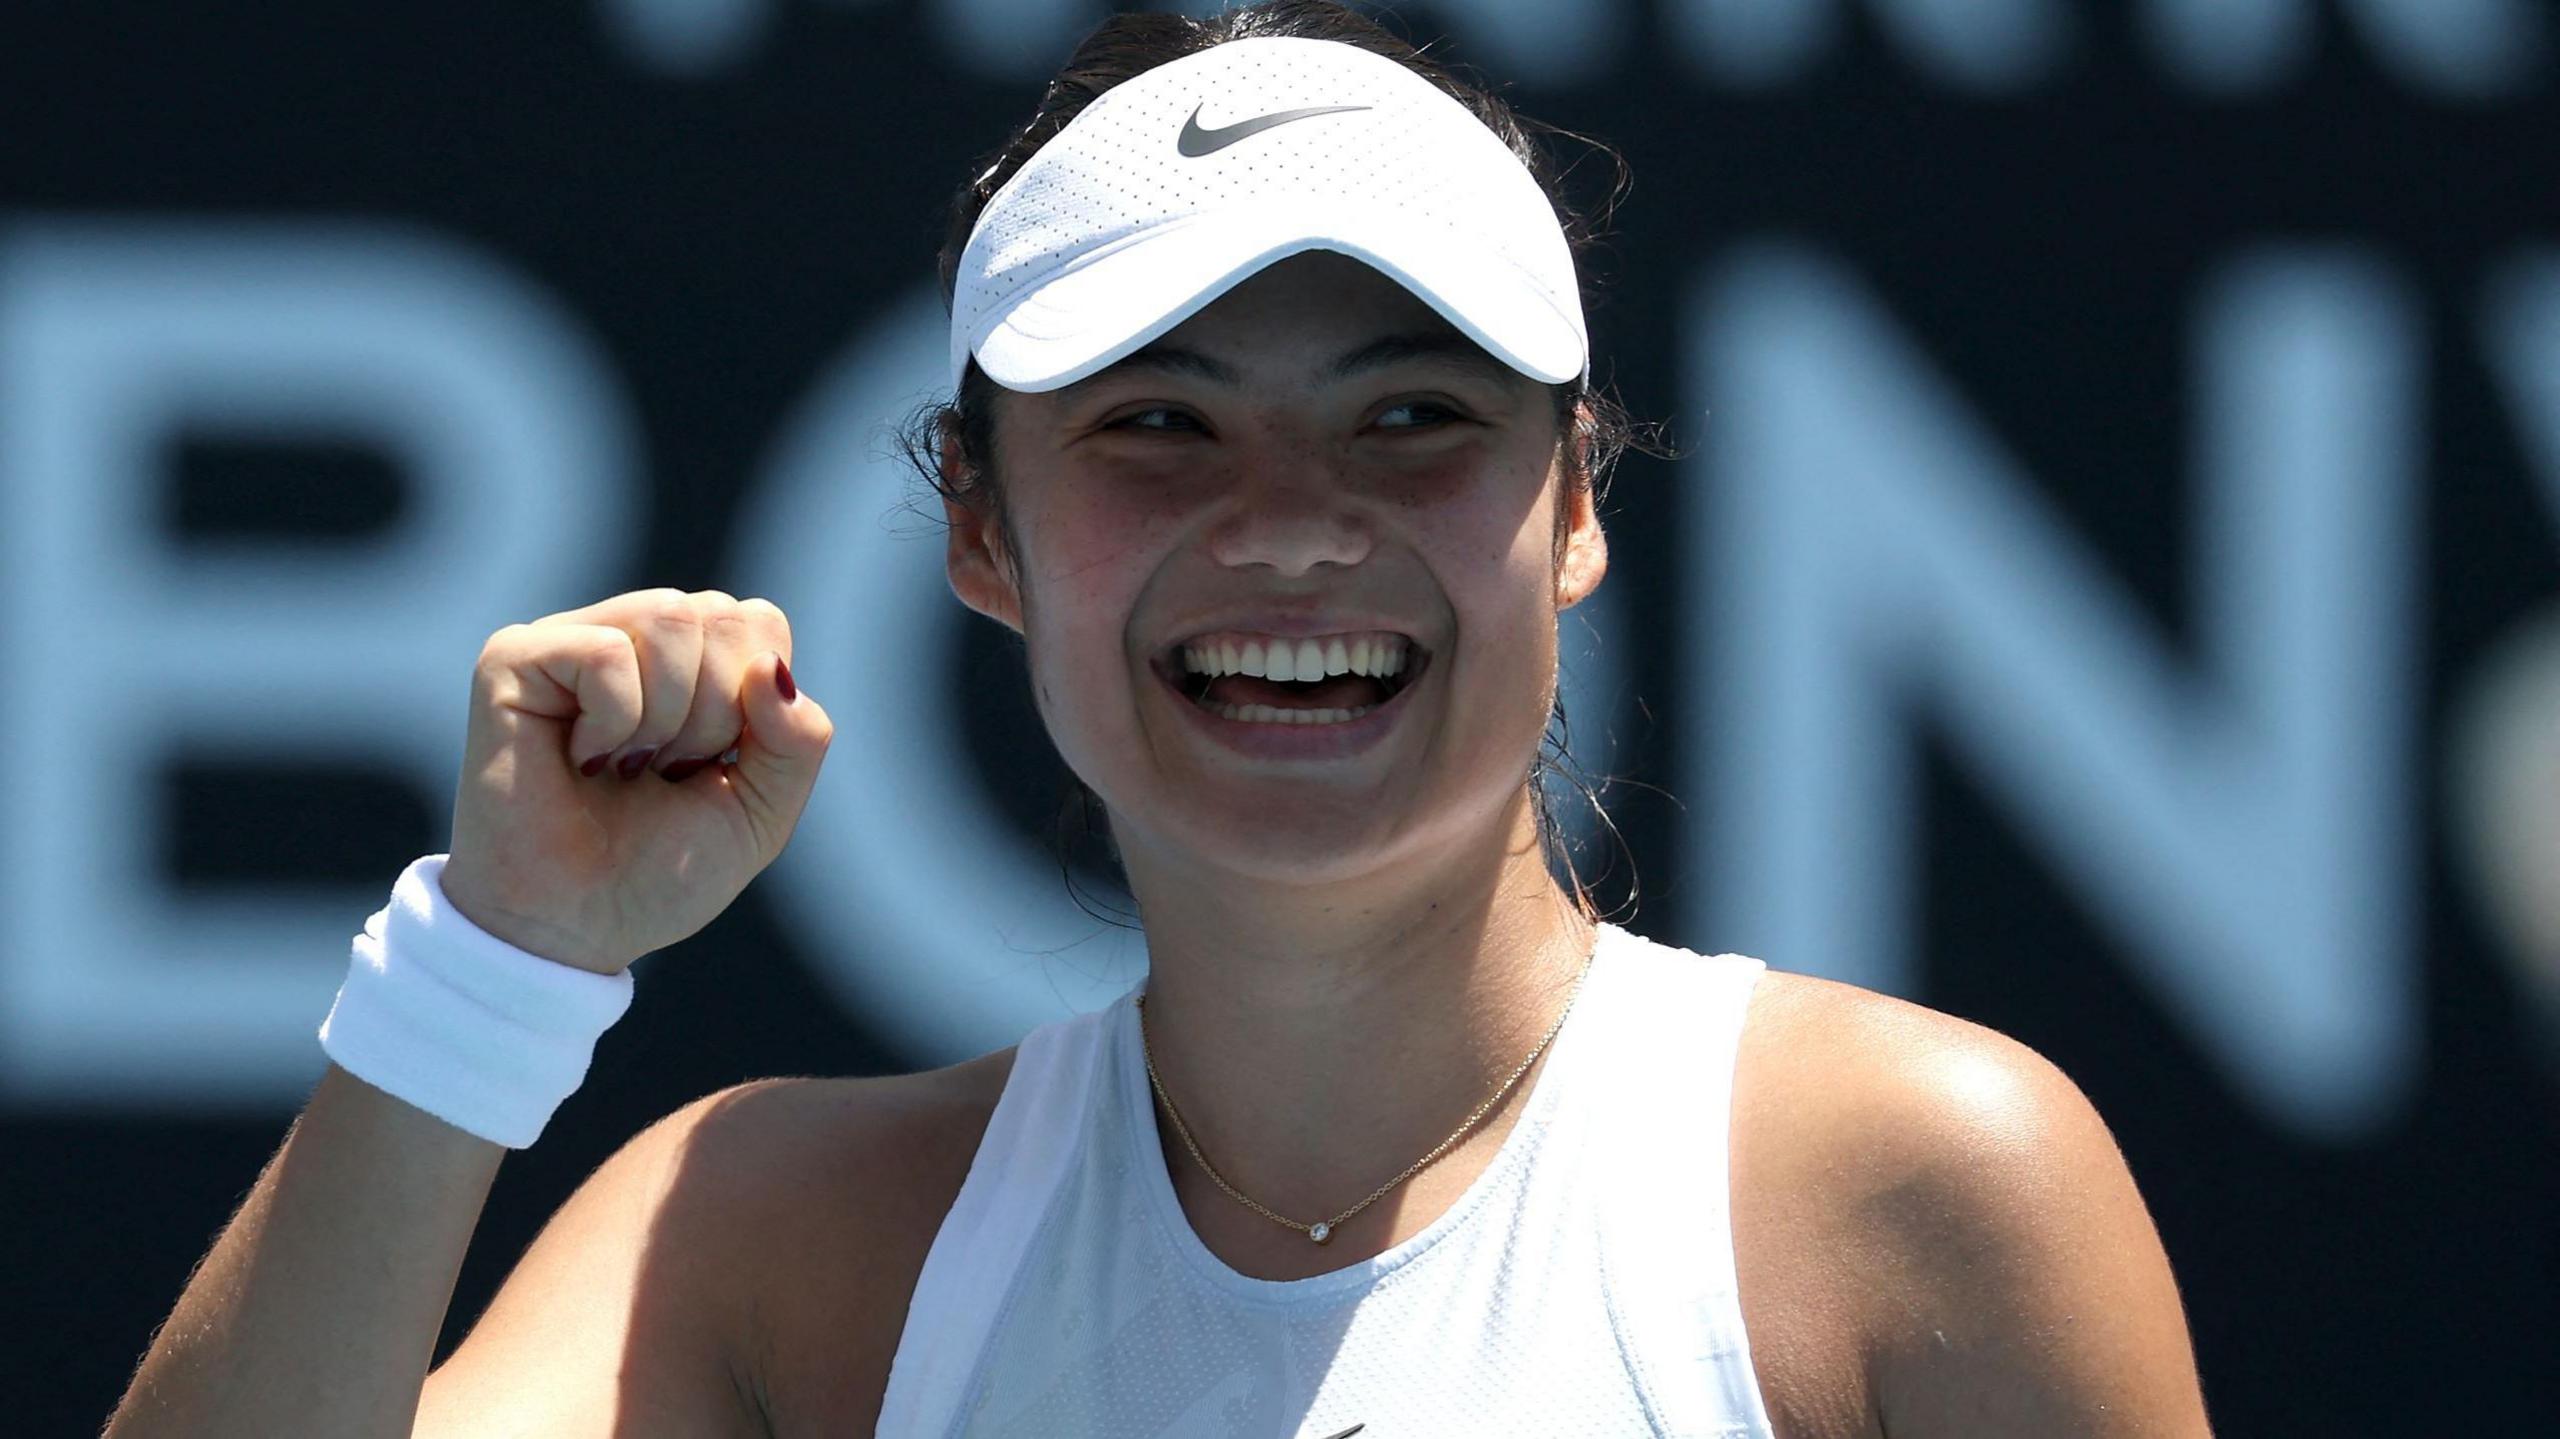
point(1272, 657)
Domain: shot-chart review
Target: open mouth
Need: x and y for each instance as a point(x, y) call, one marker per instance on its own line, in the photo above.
point(1309, 680)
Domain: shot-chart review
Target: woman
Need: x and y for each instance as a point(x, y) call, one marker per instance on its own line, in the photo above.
point(1272, 438)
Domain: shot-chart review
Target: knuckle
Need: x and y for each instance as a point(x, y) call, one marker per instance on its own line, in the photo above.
point(611, 647)
point(496, 657)
point(507, 647)
point(671, 607)
point(765, 612)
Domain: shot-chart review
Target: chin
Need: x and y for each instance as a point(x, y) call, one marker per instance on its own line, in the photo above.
point(1270, 839)
point(1260, 835)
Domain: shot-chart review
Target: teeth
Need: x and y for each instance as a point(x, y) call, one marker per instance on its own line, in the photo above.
point(1374, 654)
point(1273, 714)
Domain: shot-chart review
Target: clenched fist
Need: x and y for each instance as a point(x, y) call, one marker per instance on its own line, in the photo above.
point(598, 816)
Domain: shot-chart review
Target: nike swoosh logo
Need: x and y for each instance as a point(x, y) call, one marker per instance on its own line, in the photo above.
point(1356, 1428)
point(1196, 142)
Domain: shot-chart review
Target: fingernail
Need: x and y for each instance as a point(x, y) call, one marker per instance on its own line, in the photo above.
point(782, 680)
point(595, 766)
point(681, 770)
point(635, 762)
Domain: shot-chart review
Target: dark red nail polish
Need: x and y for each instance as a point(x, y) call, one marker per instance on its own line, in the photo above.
point(595, 766)
point(635, 762)
point(782, 680)
point(682, 770)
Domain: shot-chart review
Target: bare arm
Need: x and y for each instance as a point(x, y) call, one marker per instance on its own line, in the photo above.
point(316, 1312)
point(318, 1308)
point(2034, 1294)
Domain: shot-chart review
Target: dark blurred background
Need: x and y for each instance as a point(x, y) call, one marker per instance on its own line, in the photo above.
point(2107, 592)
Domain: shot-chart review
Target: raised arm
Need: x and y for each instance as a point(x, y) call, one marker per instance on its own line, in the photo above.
point(318, 1307)
point(317, 1310)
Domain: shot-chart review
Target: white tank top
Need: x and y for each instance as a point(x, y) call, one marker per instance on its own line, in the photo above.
point(1583, 1285)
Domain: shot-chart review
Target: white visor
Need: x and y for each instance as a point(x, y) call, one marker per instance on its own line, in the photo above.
point(1177, 184)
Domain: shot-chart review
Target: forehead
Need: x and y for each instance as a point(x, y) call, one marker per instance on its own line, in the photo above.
point(1316, 313)
point(1318, 283)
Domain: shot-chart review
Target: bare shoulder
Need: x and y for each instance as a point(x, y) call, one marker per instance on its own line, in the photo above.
point(1950, 1236)
point(1913, 1086)
point(740, 1267)
point(827, 1193)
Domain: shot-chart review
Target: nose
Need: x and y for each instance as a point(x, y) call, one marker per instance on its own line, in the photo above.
point(1291, 523)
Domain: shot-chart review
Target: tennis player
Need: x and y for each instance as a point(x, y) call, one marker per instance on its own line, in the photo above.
point(1272, 435)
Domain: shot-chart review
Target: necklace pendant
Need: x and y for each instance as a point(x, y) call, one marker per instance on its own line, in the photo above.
point(1320, 1231)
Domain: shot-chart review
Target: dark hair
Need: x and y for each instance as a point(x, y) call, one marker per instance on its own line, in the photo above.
point(1593, 428)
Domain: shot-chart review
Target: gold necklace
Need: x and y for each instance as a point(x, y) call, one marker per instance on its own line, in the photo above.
point(1321, 1230)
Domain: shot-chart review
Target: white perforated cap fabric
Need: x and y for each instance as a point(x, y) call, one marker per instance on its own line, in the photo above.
point(1177, 184)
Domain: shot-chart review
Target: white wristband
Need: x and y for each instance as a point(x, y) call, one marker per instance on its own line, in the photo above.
point(440, 1012)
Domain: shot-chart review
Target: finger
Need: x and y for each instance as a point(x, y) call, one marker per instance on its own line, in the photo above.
point(779, 753)
point(771, 627)
point(627, 610)
point(586, 676)
point(732, 636)
point(669, 637)
point(768, 629)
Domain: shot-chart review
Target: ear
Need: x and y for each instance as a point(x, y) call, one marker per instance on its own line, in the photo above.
point(1586, 548)
point(975, 555)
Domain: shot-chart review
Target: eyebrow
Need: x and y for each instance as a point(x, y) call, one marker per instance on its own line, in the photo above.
point(1174, 360)
point(1444, 346)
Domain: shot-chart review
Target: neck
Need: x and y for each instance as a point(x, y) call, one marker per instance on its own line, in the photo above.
point(1317, 1039)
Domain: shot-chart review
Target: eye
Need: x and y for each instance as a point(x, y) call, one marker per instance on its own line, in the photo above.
point(1157, 420)
point(1416, 415)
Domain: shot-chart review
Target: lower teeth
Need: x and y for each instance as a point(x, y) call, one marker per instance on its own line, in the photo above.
point(1273, 714)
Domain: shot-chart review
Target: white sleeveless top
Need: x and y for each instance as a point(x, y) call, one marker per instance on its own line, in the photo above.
point(1583, 1285)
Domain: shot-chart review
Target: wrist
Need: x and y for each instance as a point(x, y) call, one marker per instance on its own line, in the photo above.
point(473, 898)
point(481, 1033)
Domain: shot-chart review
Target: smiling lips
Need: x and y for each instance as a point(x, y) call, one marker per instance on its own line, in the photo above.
point(1277, 679)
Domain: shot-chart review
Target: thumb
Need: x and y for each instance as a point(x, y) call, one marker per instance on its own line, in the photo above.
point(778, 756)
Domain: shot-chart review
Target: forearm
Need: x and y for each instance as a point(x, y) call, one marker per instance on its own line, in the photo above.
point(317, 1310)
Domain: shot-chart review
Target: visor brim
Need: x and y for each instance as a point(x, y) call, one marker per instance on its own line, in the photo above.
point(1116, 300)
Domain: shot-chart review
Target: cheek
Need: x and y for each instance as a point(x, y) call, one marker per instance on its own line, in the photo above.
point(1501, 571)
point(1087, 545)
point(1498, 546)
point(1091, 556)
point(1090, 533)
